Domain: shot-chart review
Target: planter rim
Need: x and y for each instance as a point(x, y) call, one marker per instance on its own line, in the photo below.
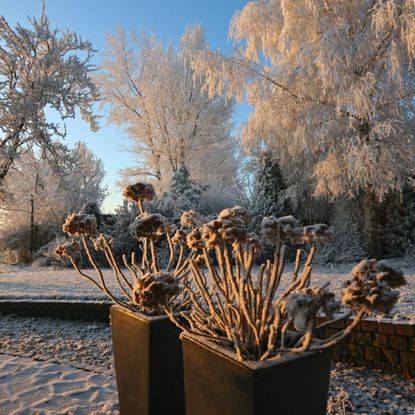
point(139, 315)
point(252, 365)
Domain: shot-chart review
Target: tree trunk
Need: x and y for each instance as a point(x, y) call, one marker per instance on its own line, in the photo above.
point(370, 224)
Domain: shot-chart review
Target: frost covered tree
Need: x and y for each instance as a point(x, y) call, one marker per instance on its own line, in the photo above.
point(150, 93)
point(42, 70)
point(42, 189)
point(268, 186)
point(183, 194)
point(331, 84)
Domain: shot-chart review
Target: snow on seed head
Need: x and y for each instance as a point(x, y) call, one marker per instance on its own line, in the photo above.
point(276, 230)
point(68, 249)
point(155, 290)
point(102, 241)
point(150, 225)
point(180, 237)
point(235, 212)
point(319, 233)
point(77, 224)
point(302, 306)
point(191, 219)
point(139, 191)
point(194, 239)
point(370, 290)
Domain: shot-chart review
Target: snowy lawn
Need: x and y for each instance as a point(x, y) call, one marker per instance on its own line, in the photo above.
point(51, 366)
point(37, 284)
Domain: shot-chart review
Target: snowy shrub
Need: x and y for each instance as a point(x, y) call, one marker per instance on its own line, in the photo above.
point(397, 224)
point(144, 287)
point(183, 194)
point(347, 245)
point(208, 286)
point(243, 309)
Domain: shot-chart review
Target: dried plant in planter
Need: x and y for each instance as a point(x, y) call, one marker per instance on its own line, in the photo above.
point(252, 312)
point(143, 286)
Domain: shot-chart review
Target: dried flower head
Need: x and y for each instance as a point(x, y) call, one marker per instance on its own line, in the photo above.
point(302, 306)
point(319, 233)
point(235, 212)
point(392, 277)
point(150, 225)
point(139, 191)
point(255, 242)
point(370, 289)
point(180, 237)
point(77, 224)
point(155, 290)
point(191, 219)
point(194, 239)
point(68, 249)
point(211, 235)
point(101, 242)
point(276, 230)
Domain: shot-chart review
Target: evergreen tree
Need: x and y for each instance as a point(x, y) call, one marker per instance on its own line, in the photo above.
point(397, 223)
point(268, 184)
point(183, 194)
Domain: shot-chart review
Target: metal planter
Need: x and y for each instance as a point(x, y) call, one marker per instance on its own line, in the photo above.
point(148, 364)
point(216, 383)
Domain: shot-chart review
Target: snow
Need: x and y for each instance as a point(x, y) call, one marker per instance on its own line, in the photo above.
point(42, 284)
point(28, 387)
point(51, 366)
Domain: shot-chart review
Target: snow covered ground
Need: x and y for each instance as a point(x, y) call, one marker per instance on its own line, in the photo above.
point(37, 284)
point(50, 366)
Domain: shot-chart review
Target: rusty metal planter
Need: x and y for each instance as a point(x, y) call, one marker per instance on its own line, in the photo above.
point(216, 383)
point(148, 364)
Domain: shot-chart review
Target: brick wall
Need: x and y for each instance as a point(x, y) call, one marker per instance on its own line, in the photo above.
point(376, 344)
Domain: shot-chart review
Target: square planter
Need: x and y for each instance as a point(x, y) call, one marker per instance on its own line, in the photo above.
point(216, 383)
point(148, 363)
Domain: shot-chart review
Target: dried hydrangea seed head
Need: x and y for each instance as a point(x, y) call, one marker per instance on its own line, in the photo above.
point(319, 233)
point(233, 230)
point(77, 224)
point(68, 249)
point(180, 237)
point(385, 273)
point(191, 219)
point(276, 230)
point(101, 242)
point(155, 290)
point(194, 240)
point(371, 288)
point(302, 306)
point(211, 235)
point(235, 212)
point(328, 302)
point(139, 191)
point(364, 268)
point(255, 242)
point(150, 225)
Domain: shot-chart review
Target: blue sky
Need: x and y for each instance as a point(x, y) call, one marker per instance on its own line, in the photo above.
point(92, 19)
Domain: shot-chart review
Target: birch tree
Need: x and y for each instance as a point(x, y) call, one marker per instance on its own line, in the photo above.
point(332, 88)
point(42, 70)
point(150, 93)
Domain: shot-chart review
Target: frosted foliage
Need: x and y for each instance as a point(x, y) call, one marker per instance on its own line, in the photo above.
point(150, 92)
point(331, 86)
point(41, 68)
point(346, 246)
point(48, 187)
